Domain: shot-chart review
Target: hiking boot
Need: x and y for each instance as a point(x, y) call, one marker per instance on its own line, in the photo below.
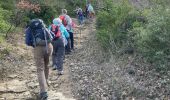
point(43, 96)
point(60, 72)
point(68, 53)
point(54, 67)
point(72, 49)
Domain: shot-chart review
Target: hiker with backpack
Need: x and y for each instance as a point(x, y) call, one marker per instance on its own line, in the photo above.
point(59, 43)
point(90, 10)
point(67, 22)
point(80, 16)
point(86, 11)
point(76, 11)
point(40, 38)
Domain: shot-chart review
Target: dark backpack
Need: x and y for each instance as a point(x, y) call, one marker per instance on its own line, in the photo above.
point(56, 30)
point(80, 13)
point(37, 34)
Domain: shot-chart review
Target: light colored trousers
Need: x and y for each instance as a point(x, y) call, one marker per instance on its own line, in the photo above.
point(42, 60)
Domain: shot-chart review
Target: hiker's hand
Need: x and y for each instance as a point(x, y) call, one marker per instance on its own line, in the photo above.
point(77, 26)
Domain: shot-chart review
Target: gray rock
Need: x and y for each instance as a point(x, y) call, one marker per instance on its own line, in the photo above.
point(15, 86)
point(32, 85)
point(72, 64)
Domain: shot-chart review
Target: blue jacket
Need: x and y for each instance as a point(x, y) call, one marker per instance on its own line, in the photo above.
point(64, 32)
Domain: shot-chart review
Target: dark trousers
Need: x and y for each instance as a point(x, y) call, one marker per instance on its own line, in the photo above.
point(70, 44)
point(58, 53)
point(68, 47)
point(71, 40)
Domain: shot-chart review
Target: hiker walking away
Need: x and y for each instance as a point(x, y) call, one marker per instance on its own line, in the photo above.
point(67, 22)
point(86, 10)
point(59, 43)
point(90, 10)
point(80, 16)
point(76, 11)
point(39, 37)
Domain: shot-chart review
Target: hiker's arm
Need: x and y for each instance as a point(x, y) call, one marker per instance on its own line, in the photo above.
point(51, 35)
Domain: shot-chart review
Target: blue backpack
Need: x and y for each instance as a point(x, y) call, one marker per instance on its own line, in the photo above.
point(37, 34)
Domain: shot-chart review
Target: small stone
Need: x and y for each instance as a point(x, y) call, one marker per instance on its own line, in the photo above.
point(32, 85)
point(81, 81)
point(56, 85)
point(2, 98)
point(76, 68)
point(157, 99)
point(72, 64)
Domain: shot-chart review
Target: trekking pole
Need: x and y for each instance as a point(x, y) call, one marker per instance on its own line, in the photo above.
point(80, 35)
point(80, 32)
point(46, 44)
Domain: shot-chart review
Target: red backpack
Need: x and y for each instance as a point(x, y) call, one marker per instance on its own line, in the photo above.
point(55, 29)
point(64, 21)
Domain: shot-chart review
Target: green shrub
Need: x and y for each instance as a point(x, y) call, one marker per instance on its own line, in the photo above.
point(153, 38)
point(4, 24)
point(46, 13)
point(113, 24)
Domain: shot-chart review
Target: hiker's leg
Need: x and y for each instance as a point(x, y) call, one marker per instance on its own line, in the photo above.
point(79, 20)
point(53, 54)
point(46, 60)
point(39, 59)
point(68, 49)
point(60, 55)
point(72, 40)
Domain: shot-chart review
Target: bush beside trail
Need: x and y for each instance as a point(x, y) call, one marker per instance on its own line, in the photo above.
point(123, 28)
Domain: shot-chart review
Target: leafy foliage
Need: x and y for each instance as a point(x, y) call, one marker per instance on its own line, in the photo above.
point(153, 39)
point(114, 22)
point(120, 26)
point(4, 25)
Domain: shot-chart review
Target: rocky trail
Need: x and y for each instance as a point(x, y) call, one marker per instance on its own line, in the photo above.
point(89, 74)
point(20, 82)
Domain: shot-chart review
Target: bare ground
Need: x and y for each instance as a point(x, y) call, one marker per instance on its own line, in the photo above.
point(89, 74)
point(18, 72)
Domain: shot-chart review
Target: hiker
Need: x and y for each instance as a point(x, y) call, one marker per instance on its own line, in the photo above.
point(40, 38)
point(76, 11)
point(80, 16)
point(86, 11)
point(67, 22)
point(59, 43)
point(90, 10)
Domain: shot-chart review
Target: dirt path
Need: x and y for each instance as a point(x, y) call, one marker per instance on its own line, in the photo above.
point(22, 84)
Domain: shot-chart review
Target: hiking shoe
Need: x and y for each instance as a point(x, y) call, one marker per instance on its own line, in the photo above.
point(54, 67)
point(72, 48)
point(43, 96)
point(60, 72)
point(67, 53)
